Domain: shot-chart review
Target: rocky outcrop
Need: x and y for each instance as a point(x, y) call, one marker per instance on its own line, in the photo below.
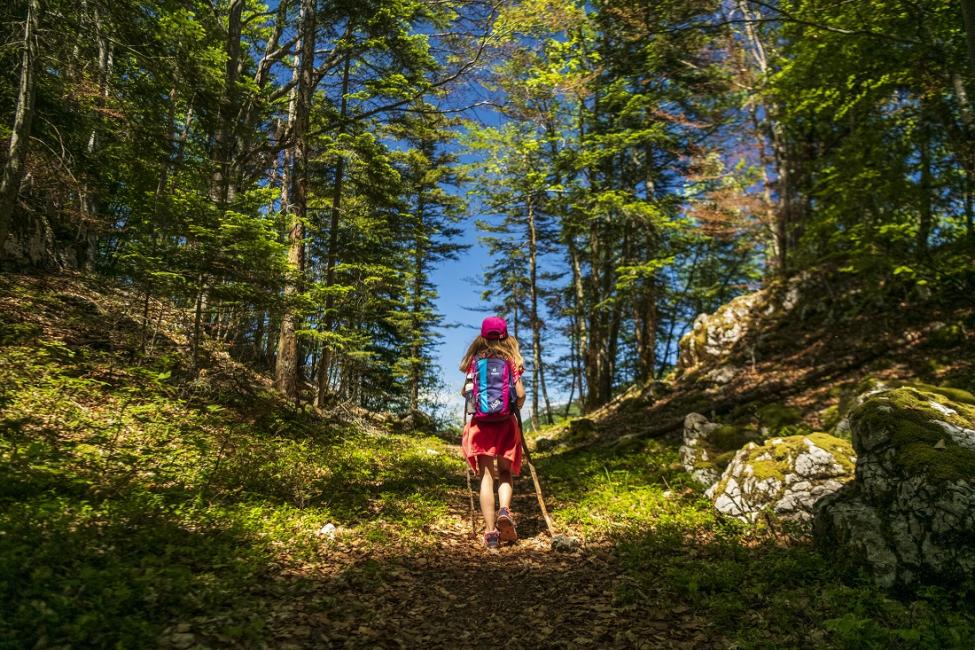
point(910, 515)
point(784, 477)
point(709, 447)
point(713, 337)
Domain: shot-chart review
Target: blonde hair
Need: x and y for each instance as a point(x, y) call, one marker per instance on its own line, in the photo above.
point(506, 348)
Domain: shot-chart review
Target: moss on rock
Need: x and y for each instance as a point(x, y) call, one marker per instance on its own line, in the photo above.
point(785, 476)
point(954, 394)
point(709, 447)
point(830, 417)
point(908, 514)
point(917, 420)
point(581, 429)
point(947, 336)
point(730, 437)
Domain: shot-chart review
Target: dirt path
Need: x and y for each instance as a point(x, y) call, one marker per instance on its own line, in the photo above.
point(456, 594)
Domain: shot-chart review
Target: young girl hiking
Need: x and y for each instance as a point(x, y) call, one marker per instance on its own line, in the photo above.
point(492, 438)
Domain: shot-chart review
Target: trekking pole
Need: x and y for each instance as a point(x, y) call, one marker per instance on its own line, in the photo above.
point(538, 486)
point(467, 466)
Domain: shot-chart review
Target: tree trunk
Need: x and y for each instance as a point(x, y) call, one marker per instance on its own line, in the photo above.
point(223, 138)
point(580, 334)
point(533, 315)
point(257, 345)
point(13, 169)
point(784, 186)
point(969, 208)
point(415, 367)
point(84, 249)
point(572, 392)
point(549, 417)
point(924, 189)
point(286, 368)
point(645, 320)
point(594, 355)
point(198, 321)
point(333, 240)
point(968, 16)
point(771, 130)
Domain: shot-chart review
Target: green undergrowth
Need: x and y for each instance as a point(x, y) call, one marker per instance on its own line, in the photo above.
point(133, 496)
point(752, 586)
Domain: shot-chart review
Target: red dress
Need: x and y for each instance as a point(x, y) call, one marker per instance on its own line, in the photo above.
point(500, 438)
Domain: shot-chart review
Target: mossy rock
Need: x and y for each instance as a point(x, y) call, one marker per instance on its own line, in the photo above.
point(709, 447)
point(731, 437)
point(581, 429)
point(908, 516)
point(830, 417)
point(544, 444)
point(947, 336)
point(775, 458)
point(929, 433)
point(952, 393)
point(785, 477)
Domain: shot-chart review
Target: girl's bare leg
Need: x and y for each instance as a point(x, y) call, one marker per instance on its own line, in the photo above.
point(485, 464)
point(504, 476)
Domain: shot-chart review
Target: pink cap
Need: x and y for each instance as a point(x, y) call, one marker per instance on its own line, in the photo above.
point(494, 327)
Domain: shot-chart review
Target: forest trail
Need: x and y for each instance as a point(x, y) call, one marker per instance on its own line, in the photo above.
point(457, 594)
point(143, 505)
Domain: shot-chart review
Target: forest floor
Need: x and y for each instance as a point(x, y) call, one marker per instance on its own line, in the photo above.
point(144, 505)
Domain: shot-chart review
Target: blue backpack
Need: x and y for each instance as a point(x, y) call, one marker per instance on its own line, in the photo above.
point(492, 395)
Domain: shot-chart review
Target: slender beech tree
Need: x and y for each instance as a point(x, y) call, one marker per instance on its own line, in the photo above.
point(13, 168)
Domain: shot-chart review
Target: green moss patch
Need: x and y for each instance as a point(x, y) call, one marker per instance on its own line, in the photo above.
point(766, 469)
point(841, 450)
point(954, 394)
point(777, 416)
point(948, 336)
point(906, 413)
point(830, 417)
point(730, 437)
point(775, 458)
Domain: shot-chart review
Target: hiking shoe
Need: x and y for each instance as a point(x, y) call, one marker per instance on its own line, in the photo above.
point(506, 526)
point(491, 539)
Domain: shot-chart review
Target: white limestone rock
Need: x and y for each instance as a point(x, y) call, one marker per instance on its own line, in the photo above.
point(910, 514)
point(784, 476)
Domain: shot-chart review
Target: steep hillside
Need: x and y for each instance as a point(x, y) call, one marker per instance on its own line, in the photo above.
point(798, 350)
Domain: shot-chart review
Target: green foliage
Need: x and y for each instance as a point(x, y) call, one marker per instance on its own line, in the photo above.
point(174, 162)
point(873, 127)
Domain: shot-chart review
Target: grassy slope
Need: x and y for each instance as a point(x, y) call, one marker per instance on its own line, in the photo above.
point(133, 496)
point(138, 507)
